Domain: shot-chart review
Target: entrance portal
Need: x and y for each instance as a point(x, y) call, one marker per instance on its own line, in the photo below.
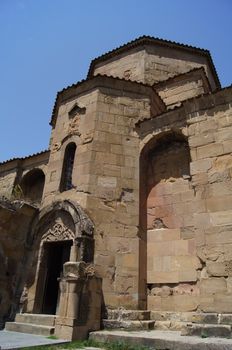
point(55, 255)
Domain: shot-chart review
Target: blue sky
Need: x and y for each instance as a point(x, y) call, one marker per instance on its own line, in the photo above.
point(48, 44)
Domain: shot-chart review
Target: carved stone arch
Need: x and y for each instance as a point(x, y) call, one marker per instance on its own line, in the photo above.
point(61, 228)
point(83, 224)
point(80, 230)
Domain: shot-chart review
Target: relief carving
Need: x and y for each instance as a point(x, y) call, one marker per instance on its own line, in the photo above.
point(58, 232)
point(56, 146)
point(74, 125)
point(127, 74)
point(76, 110)
point(87, 138)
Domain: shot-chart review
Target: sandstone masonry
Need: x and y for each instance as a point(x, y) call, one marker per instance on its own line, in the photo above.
point(137, 183)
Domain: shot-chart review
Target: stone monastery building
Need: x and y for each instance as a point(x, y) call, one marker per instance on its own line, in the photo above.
point(131, 205)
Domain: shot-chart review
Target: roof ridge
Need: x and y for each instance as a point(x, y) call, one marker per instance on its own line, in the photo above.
point(145, 37)
point(150, 39)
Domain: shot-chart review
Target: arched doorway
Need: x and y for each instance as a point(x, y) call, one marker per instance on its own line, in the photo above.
point(62, 232)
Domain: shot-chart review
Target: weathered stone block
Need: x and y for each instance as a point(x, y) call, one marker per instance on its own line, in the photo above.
point(200, 140)
point(221, 217)
point(219, 203)
point(199, 166)
point(212, 285)
point(154, 302)
point(206, 330)
point(163, 234)
point(187, 275)
point(216, 269)
point(212, 150)
point(163, 277)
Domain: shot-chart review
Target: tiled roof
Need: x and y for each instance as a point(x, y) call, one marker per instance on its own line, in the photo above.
point(210, 93)
point(177, 77)
point(22, 158)
point(81, 82)
point(144, 40)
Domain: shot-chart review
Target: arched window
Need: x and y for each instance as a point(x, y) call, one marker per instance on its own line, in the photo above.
point(66, 178)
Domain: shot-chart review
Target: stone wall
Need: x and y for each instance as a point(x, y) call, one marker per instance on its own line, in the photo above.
point(162, 63)
point(78, 129)
point(126, 66)
point(7, 179)
point(182, 87)
point(189, 261)
point(114, 201)
point(13, 172)
point(15, 219)
point(152, 64)
point(156, 183)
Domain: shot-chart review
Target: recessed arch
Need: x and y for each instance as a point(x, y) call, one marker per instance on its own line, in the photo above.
point(164, 160)
point(32, 185)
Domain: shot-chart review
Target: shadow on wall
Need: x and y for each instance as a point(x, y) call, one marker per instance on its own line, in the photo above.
point(32, 185)
point(165, 171)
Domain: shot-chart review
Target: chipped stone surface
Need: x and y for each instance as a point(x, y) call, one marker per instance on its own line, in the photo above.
point(149, 200)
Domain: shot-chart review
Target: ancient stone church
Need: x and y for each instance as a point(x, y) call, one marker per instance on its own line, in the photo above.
point(130, 208)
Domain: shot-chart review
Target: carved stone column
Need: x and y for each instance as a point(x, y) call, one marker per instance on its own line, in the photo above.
point(80, 301)
point(74, 253)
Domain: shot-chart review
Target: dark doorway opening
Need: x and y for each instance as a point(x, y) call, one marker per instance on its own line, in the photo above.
point(56, 254)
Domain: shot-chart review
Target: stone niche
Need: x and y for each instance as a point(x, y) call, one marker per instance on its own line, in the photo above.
point(172, 263)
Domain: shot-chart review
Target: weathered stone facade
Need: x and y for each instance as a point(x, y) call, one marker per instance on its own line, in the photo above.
point(147, 140)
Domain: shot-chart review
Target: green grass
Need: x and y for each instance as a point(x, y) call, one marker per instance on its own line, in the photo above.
point(52, 337)
point(204, 334)
point(81, 344)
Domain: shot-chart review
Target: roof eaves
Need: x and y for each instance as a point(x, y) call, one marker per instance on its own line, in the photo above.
point(149, 40)
point(189, 73)
point(98, 76)
point(184, 103)
point(23, 158)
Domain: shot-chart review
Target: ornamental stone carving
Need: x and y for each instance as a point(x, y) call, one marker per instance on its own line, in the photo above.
point(76, 110)
point(58, 232)
point(55, 147)
point(74, 125)
point(70, 222)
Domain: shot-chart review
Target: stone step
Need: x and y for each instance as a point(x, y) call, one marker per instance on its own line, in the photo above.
point(129, 325)
point(39, 319)
point(192, 317)
point(169, 325)
point(29, 328)
point(132, 315)
point(225, 319)
point(206, 330)
point(161, 340)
